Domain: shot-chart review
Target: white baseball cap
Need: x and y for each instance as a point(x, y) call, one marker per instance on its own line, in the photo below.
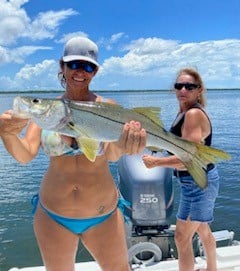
point(80, 48)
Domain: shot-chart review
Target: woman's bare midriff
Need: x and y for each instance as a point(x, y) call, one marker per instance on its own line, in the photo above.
point(73, 188)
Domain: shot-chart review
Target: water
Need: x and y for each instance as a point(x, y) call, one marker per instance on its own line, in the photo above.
point(18, 246)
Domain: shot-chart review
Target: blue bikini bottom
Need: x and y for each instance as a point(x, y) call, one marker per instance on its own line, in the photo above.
point(77, 225)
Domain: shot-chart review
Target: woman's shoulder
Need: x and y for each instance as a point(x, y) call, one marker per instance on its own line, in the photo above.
point(196, 109)
point(197, 116)
point(195, 112)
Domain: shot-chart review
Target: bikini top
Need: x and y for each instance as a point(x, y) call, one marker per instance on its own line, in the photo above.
point(53, 144)
point(178, 123)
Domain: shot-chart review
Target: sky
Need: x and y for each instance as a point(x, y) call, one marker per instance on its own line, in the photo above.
point(142, 43)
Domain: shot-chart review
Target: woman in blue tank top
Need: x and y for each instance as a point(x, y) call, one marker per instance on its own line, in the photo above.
point(196, 205)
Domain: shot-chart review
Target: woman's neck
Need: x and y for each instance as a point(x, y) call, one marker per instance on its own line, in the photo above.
point(80, 96)
point(185, 106)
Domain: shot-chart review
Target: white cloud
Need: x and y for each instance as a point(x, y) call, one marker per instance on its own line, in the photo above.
point(4, 55)
point(42, 76)
point(46, 24)
point(18, 54)
point(149, 63)
point(7, 83)
point(108, 43)
point(215, 60)
point(15, 23)
point(30, 71)
point(115, 37)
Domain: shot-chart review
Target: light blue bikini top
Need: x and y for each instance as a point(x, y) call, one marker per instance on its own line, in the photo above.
point(53, 144)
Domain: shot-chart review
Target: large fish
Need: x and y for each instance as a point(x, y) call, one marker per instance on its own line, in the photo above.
point(91, 123)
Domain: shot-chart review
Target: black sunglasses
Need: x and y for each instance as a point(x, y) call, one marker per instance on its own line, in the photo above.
point(188, 86)
point(86, 66)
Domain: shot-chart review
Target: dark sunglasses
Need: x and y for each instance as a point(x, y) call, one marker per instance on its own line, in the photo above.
point(86, 66)
point(188, 86)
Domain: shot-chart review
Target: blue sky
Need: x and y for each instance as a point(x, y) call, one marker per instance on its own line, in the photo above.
point(142, 44)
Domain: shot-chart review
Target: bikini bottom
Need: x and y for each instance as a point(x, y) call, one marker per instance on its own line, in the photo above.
point(79, 225)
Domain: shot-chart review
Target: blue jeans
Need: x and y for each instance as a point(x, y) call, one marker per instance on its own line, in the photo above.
point(197, 203)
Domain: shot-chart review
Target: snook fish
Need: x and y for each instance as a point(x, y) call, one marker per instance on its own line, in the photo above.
point(91, 123)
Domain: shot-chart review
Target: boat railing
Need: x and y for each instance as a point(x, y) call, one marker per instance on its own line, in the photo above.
point(222, 235)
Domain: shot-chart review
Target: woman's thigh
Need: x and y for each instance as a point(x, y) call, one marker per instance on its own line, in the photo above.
point(58, 245)
point(107, 243)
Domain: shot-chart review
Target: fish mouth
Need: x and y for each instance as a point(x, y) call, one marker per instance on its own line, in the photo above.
point(20, 108)
point(26, 107)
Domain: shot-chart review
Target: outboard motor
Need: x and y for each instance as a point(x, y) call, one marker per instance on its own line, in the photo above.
point(150, 192)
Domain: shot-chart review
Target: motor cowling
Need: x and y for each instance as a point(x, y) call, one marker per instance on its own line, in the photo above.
point(150, 191)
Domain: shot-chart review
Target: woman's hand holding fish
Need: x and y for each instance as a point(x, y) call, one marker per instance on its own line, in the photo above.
point(150, 161)
point(133, 139)
point(10, 125)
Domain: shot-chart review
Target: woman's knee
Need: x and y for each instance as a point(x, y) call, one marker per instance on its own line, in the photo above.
point(182, 238)
point(205, 234)
point(208, 239)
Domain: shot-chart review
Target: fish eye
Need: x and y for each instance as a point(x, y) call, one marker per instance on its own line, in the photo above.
point(35, 101)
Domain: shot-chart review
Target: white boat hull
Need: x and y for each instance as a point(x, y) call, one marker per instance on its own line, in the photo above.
point(228, 259)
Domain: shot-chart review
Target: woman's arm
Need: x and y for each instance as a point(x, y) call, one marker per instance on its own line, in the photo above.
point(196, 127)
point(23, 149)
point(172, 161)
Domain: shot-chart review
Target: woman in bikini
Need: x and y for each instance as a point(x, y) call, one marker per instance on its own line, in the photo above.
point(77, 199)
point(196, 205)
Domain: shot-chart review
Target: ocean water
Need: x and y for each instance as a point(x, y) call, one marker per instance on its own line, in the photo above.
point(18, 183)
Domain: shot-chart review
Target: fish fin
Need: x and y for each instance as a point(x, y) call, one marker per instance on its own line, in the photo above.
point(198, 165)
point(211, 154)
point(76, 129)
point(89, 147)
point(151, 113)
point(198, 173)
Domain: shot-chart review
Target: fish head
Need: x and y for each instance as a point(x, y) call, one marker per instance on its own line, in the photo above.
point(47, 113)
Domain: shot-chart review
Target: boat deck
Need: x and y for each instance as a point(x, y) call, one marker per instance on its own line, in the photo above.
point(228, 259)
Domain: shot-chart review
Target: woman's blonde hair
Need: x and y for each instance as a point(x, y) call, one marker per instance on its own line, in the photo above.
point(198, 80)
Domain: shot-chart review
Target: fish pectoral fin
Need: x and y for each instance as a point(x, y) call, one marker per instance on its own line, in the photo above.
point(79, 132)
point(74, 128)
point(152, 113)
point(89, 147)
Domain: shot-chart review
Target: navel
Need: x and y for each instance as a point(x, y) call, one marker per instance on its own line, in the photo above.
point(75, 188)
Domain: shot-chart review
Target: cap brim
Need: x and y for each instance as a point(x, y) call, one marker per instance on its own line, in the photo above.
point(76, 57)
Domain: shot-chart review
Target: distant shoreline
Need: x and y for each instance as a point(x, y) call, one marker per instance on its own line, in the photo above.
point(123, 90)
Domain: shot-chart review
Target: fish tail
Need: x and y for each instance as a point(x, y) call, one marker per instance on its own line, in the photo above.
point(203, 156)
point(211, 155)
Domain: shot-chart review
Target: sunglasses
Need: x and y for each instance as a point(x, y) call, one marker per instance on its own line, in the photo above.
point(188, 86)
point(76, 65)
